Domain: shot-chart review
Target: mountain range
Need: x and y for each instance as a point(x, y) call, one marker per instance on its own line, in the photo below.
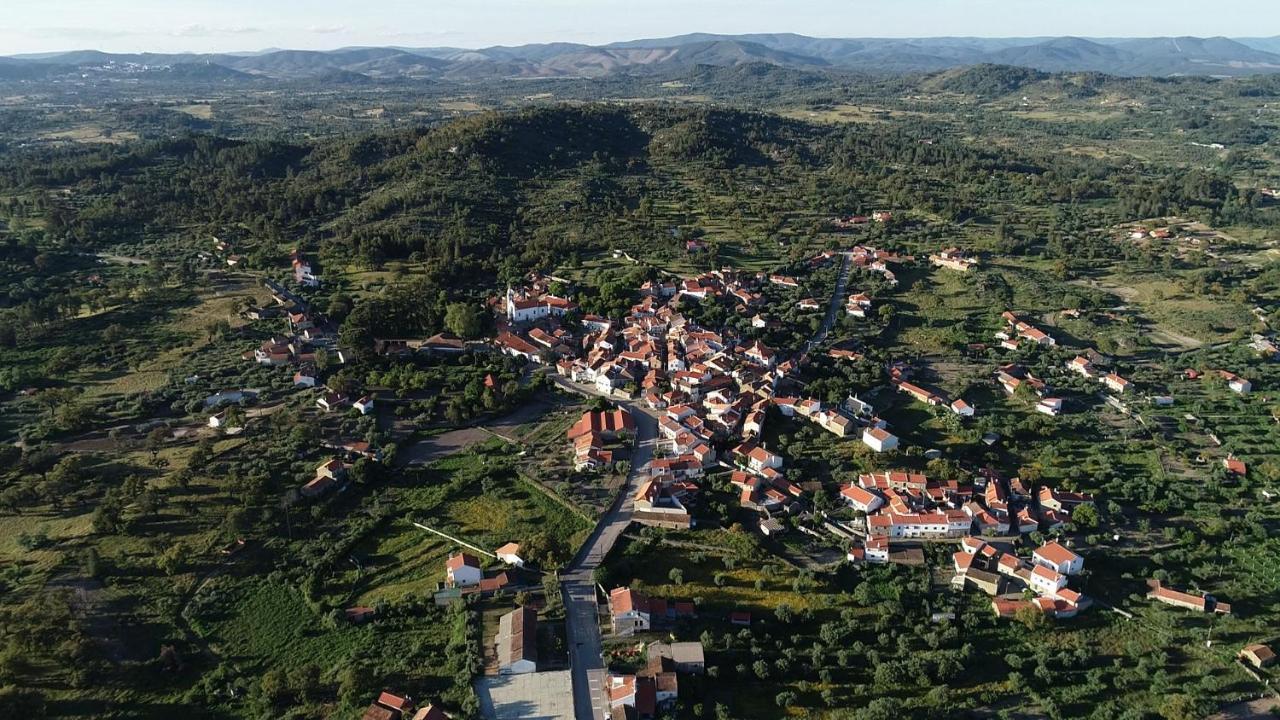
point(1159, 56)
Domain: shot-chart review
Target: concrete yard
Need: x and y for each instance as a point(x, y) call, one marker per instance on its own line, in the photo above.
point(533, 696)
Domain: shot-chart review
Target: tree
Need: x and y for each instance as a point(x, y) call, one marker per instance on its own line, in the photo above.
point(173, 558)
point(676, 575)
point(274, 686)
point(1030, 616)
point(463, 320)
point(155, 441)
point(1085, 516)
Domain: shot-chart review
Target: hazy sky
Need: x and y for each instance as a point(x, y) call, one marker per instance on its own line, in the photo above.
point(216, 25)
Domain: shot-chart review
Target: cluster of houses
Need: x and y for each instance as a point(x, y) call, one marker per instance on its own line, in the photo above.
point(656, 686)
point(907, 505)
point(631, 611)
point(873, 260)
point(1089, 364)
point(463, 572)
point(710, 388)
point(931, 397)
point(223, 248)
point(1013, 377)
point(954, 259)
point(593, 432)
point(1020, 331)
point(849, 222)
point(1163, 233)
point(1003, 575)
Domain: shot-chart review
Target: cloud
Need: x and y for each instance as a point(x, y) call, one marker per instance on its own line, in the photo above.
point(77, 32)
point(326, 29)
point(197, 30)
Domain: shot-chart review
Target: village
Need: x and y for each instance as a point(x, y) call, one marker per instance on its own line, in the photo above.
point(710, 396)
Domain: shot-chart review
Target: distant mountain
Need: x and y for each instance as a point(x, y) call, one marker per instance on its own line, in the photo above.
point(1269, 44)
point(198, 71)
point(1062, 54)
point(1164, 56)
point(1196, 56)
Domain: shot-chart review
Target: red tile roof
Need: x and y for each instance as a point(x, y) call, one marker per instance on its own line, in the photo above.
point(1056, 554)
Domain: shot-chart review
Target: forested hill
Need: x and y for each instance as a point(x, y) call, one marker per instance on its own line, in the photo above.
point(483, 199)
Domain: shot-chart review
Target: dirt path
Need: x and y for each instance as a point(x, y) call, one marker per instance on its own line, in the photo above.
point(433, 448)
point(1249, 710)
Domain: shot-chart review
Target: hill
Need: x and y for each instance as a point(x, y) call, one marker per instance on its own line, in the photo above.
point(1161, 56)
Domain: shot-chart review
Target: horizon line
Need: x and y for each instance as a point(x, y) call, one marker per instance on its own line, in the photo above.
point(46, 53)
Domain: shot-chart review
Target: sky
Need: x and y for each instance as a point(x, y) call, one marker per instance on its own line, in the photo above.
point(246, 25)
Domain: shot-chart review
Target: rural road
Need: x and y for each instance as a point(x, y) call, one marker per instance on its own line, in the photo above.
point(586, 654)
point(833, 308)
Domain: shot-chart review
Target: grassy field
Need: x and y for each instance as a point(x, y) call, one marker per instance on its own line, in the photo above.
point(399, 559)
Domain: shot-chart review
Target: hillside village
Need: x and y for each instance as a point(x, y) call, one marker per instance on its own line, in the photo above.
point(714, 396)
point(649, 410)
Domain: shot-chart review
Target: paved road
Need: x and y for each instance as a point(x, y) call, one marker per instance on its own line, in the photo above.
point(837, 301)
point(586, 656)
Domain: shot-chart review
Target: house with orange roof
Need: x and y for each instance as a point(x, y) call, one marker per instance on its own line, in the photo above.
point(510, 554)
point(1235, 466)
point(463, 570)
point(1056, 557)
point(861, 499)
point(1200, 603)
point(879, 439)
point(629, 611)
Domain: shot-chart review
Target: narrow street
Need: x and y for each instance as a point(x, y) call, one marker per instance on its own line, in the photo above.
point(833, 308)
point(586, 655)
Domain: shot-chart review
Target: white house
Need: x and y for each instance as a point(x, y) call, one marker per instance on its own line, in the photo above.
point(877, 549)
point(962, 408)
point(329, 401)
point(219, 421)
point(879, 439)
point(364, 405)
point(521, 309)
point(463, 570)
point(1082, 366)
point(861, 499)
point(758, 459)
point(1047, 581)
point(629, 611)
point(859, 408)
point(510, 554)
point(1115, 383)
point(1058, 558)
point(304, 378)
point(1049, 406)
point(1237, 383)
